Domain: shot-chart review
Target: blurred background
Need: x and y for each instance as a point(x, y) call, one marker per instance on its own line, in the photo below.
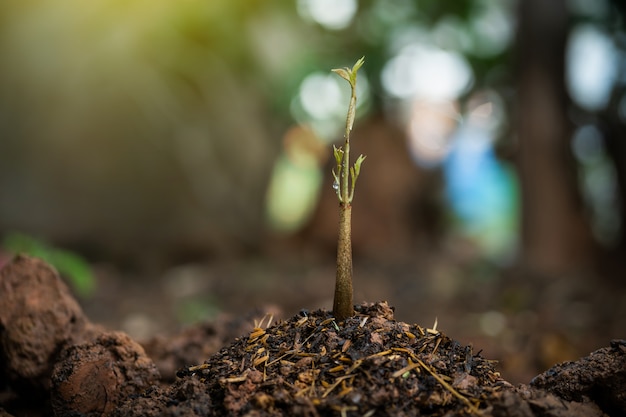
point(174, 160)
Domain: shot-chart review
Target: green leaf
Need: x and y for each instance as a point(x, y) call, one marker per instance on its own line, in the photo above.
point(350, 74)
point(358, 64)
point(338, 154)
point(70, 265)
point(343, 73)
point(355, 68)
point(76, 269)
point(357, 164)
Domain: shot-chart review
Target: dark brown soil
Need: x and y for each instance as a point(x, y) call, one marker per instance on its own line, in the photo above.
point(53, 361)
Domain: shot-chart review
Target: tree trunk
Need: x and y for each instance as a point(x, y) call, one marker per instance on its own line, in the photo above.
point(555, 233)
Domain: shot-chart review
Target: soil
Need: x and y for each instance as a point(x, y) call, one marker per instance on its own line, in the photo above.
point(54, 361)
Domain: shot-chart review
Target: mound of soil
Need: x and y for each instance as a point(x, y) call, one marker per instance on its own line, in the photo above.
point(311, 365)
point(307, 365)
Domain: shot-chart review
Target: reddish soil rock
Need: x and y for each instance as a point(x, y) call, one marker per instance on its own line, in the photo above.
point(90, 379)
point(49, 349)
point(38, 317)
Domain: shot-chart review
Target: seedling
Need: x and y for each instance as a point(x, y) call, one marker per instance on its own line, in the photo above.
point(344, 183)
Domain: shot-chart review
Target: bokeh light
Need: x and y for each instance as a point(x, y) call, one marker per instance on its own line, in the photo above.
point(425, 71)
point(491, 28)
point(332, 14)
point(429, 131)
point(320, 95)
point(591, 66)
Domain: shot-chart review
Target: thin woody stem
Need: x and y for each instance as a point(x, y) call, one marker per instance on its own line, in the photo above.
point(345, 173)
point(345, 163)
point(342, 304)
point(345, 169)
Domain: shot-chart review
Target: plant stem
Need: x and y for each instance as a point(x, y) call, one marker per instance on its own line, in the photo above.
point(342, 304)
point(345, 163)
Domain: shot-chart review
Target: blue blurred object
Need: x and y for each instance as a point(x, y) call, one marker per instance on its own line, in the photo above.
point(482, 192)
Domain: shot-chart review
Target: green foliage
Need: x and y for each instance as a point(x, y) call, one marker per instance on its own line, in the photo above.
point(345, 192)
point(350, 74)
point(69, 264)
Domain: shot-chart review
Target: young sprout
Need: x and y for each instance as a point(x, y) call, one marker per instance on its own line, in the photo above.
point(345, 178)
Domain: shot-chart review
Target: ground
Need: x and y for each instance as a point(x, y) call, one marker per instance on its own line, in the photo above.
point(56, 361)
point(526, 321)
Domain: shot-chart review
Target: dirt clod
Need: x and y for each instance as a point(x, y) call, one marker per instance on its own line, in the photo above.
point(528, 402)
point(38, 317)
point(90, 379)
point(600, 377)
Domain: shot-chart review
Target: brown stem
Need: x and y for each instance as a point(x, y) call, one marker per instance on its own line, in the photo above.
point(342, 304)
